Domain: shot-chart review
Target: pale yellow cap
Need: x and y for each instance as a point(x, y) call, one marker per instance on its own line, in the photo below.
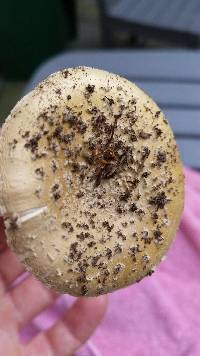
point(91, 182)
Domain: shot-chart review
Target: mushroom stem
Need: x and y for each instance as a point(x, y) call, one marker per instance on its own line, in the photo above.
point(16, 220)
point(32, 213)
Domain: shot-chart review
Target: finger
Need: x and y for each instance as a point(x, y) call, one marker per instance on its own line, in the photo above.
point(67, 335)
point(30, 297)
point(10, 267)
point(3, 243)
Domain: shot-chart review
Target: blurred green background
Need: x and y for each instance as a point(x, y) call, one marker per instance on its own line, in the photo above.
point(31, 32)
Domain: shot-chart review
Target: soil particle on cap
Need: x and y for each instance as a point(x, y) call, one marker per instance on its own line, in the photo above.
point(158, 238)
point(69, 117)
point(82, 226)
point(120, 235)
point(134, 183)
point(89, 90)
point(65, 73)
point(91, 244)
point(108, 253)
point(132, 117)
point(149, 273)
point(144, 135)
point(74, 252)
point(58, 92)
point(68, 226)
point(145, 174)
point(154, 217)
point(100, 290)
point(82, 278)
point(124, 223)
point(75, 167)
point(54, 165)
point(57, 132)
point(54, 146)
point(145, 153)
point(74, 121)
point(67, 137)
point(39, 172)
point(117, 249)
point(145, 237)
point(98, 121)
point(120, 209)
point(159, 200)
point(84, 290)
point(125, 195)
point(133, 207)
point(38, 191)
point(145, 258)
point(39, 153)
point(95, 260)
point(25, 134)
point(105, 274)
point(157, 114)
point(134, 249)
point(107, 225)
point(13, 144)
point(32, 143)
point(64, 237)
point(118, 268)
point(158, 131)
point(84, 235)
point(56, 191)
point(134, 235)
point(92, 223)
point(140, 213)
point(133, 136)
point(110, 101)
point(92, 111)
point(161, 158)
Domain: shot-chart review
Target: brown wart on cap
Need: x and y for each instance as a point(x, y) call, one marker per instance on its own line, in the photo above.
point(89, 165)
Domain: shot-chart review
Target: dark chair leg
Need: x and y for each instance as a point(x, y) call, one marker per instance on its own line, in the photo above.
point(107, 36)
point(105, 28)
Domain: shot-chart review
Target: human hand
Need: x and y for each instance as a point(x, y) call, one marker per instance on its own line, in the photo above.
point(20, 304)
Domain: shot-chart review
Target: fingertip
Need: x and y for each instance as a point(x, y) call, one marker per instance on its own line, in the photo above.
point(100, 302)
point(95, 306)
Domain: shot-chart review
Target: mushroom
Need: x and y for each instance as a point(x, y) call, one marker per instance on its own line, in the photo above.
point(91, 182)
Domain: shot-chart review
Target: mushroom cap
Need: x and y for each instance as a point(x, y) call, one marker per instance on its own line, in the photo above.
point(91, 182)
